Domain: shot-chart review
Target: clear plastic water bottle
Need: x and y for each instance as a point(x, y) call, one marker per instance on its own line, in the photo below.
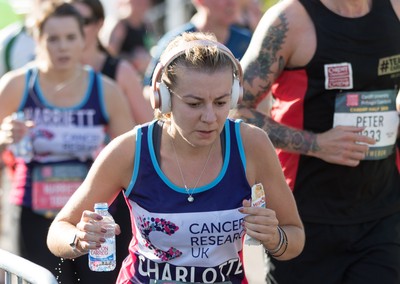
point(23, 149)
point(104, 258)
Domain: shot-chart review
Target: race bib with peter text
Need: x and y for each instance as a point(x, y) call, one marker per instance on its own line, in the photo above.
point(374, 110)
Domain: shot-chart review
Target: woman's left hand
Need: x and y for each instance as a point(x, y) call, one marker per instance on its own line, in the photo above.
point(261, 223)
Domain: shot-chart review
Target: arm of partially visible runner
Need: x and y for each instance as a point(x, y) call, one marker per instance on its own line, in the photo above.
point(11, 92)
point(274, 46)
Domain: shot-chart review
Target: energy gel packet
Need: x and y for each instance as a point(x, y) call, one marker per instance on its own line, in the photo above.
point(258, 200)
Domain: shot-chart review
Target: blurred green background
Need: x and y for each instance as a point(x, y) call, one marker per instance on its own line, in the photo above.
point(9, 15)
point(268, 3)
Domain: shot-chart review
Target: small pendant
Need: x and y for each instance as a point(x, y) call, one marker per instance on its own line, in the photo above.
point(190, 198)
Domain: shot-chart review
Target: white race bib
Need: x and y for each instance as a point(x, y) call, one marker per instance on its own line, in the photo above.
point(374, 110)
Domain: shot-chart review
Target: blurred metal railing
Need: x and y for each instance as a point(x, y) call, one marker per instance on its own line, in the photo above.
point(23, 270)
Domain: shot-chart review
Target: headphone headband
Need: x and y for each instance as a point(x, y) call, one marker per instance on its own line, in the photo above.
point(161, 94)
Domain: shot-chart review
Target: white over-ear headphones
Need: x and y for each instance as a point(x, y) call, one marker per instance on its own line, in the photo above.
point(161, 97)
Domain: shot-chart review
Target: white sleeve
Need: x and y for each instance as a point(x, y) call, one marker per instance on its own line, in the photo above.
point(17, 48)
point(6, 34)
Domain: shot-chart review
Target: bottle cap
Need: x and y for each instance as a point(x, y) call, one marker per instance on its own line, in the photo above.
point(102, 205)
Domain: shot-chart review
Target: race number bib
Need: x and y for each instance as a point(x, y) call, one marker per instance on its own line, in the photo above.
point(53, 185)
point(376, 111)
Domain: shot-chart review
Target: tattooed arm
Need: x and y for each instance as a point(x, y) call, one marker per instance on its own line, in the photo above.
point(264, 61)
point(285, 38)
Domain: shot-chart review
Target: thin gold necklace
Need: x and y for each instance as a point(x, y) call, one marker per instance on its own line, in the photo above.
point(65, 83)
point(188, 190)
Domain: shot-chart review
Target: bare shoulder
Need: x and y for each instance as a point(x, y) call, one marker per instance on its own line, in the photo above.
point(116, 32)
point(118, 26)
point(123, 144)
point(12, 85)
point(287, 32)
point(396, 7)
point(14, 78)
point(110, 87)
point(125, 71)
point(254, 138)
point(286, 12)
point(300, 38)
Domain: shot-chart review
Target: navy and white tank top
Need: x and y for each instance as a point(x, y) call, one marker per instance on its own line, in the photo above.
point(65, 141)
point(177, 240)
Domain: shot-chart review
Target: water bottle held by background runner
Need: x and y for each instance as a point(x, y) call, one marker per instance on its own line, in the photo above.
point(23, 149)
point(104, 258)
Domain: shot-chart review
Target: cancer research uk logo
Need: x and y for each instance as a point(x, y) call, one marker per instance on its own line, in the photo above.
point(338, 76)
point(151, 224)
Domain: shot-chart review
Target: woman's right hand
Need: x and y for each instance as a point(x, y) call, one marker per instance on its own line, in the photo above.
point(343, 145)
point(90, 231)
point(90, 234)
point(13, 130)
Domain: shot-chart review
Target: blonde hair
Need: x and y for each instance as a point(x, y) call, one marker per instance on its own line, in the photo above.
point(201, 57)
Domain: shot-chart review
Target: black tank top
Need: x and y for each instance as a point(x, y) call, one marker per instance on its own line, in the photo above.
point(110, 66)
point(135, 37)
point(354, 58)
